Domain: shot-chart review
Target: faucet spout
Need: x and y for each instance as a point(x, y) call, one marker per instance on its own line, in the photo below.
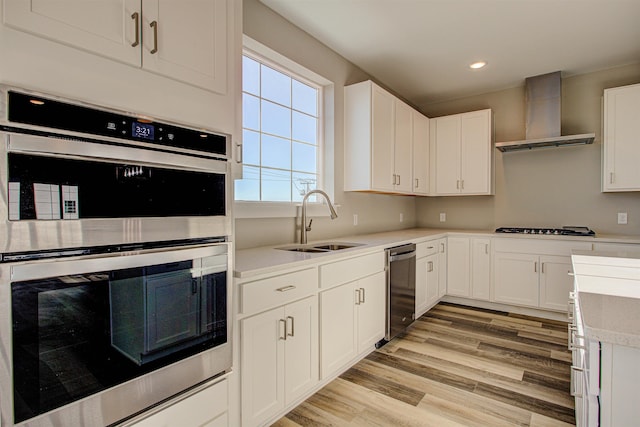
point(303, 226)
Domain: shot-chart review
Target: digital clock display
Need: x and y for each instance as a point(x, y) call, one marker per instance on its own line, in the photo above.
point(142, 130)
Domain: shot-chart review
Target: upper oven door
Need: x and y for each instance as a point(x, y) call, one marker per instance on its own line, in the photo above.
point(67, 193)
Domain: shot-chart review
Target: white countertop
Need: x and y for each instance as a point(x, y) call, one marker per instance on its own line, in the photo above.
point(263, 260)
point(608, 287)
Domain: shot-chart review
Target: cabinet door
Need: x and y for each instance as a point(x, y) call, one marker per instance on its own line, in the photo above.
point(446, 131)
point(421, 286)
point(476, 153)
point(481, 269)
point(516, 278)
point(107, 28)
point(188, 41)
point(403, 147)
point(420, 154)
point(442, 267)
point(301, 348)
point(621, 144)
point(337, 328)
point(371, 311)
point(383, 135)
point(555, 282)
point(432, 279)
point(262, 360)
point(458, 280)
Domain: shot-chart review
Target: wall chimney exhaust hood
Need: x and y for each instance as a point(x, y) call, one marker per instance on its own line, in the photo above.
point(543, 96)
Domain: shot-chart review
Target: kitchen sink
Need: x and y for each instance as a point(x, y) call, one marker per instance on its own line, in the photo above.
point(320, 247)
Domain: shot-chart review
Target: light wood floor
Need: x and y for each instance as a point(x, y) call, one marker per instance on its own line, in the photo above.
point(455, 366)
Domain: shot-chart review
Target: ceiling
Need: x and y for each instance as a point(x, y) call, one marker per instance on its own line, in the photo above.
point(421, 49)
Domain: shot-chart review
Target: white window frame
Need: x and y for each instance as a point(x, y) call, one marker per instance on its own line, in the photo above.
point(265, 209)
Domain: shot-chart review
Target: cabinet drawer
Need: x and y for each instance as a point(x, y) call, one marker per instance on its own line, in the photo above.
point(204, 408)
point(426, 248)
point(350, 269)
point(277, 290)
point(540, 246)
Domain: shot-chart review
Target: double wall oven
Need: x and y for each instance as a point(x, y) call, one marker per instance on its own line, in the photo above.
point(115, 252)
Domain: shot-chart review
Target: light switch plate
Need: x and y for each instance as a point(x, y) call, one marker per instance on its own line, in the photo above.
point(622, 217)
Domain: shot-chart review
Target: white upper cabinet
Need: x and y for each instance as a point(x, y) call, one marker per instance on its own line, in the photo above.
point(461, 154)
point(621, 143)
point(379, 141)
point(185, 40)
point(420, 154)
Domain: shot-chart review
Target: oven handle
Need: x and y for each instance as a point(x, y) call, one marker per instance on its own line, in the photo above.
point(68, 148)
point(109, 262)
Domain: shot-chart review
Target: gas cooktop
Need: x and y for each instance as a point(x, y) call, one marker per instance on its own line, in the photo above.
point(564, 231)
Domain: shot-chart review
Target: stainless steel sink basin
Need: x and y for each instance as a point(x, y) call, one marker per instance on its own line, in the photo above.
point(336, 246)
point(320, 247)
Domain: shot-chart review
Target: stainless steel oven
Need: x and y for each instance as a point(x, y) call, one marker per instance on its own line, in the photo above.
point(114, 261)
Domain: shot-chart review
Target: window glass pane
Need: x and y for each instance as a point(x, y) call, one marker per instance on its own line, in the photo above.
point(304, 127)
point(305, 98)
point(248, 188)
point(276, 185)
point(276, 119)
point(250, 147)
point(250, 76)
point(304, 157)
point(276, 86)
point(276, 152)
point(302, 184)
point(250, 112)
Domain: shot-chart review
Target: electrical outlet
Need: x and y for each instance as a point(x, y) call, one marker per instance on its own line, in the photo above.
point(622, 217)
point(443, 217)
point(355, 219)
point(401, 217)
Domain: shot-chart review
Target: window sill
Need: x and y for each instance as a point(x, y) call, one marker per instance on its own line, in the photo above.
point(279, 210)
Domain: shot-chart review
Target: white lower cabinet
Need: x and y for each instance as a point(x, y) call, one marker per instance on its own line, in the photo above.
point(205, 408)
point(352, 320)
point(534, 273)
point(469, 267)
point(458, 279)
point(427, 285)
point(279, 358)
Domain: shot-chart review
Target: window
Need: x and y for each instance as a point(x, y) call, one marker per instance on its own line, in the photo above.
point(281, 128)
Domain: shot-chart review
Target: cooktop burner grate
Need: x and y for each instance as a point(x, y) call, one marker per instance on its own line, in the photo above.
point(564, 231)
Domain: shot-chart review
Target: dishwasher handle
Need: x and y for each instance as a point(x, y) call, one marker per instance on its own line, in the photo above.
point(402, 256)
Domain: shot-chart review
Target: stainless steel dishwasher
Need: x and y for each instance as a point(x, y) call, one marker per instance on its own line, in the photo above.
point(401, 288)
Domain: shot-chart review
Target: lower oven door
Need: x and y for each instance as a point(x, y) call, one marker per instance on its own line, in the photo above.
point(92, 340)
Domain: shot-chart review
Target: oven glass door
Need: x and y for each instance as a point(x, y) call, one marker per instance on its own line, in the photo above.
point(76, 334)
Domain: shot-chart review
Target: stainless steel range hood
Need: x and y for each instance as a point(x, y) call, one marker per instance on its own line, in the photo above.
point(543, 96)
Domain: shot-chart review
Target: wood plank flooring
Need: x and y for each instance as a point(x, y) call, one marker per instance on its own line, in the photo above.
point(455, 366)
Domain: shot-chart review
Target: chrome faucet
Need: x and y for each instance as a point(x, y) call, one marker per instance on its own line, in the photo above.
point(304, 228)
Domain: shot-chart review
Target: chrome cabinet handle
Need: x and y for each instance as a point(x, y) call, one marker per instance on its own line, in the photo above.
point(154, 25)
point(293, 324)
point(362, 294)
point(430, 266)
point(239, 154)
point(398, 179)
point(535, 267)
point(462, 184)
point(417, 183)
point(611, 178)
point(283, 323)
point(136, 17)
point(442, 247)
point(357, 296)
point(286, 288)
point(486, 248)
point(542, 268)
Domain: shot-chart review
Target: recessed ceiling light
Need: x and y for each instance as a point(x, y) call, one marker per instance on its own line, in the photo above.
point(477, 65)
